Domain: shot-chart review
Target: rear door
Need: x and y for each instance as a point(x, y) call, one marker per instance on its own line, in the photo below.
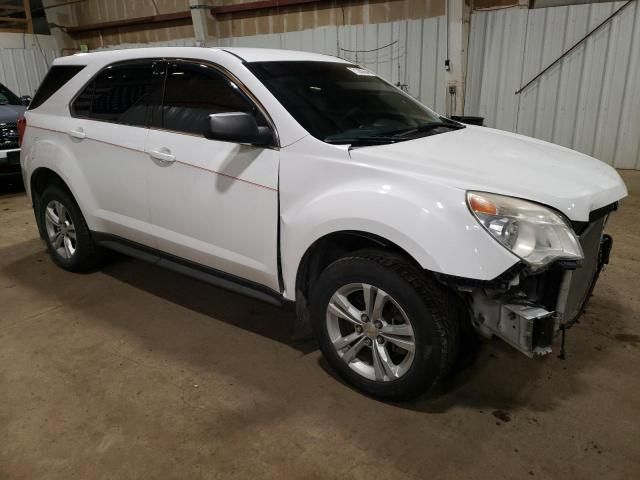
point(214, 203)
point(108, 131)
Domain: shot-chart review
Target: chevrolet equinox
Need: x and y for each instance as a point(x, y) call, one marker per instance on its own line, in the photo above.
point(298, 177)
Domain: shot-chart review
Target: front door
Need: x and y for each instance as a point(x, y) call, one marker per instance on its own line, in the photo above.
point(211, 202)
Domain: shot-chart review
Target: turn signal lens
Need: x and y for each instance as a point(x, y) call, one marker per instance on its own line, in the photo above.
point(482, 205)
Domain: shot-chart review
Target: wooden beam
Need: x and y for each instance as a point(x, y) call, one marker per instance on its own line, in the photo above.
point(12, 8)
point(13, 20)
point(27, 13)
point(130, 22)
point(261, 5)
point(11, 30)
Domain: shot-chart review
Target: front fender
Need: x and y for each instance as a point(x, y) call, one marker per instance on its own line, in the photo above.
point(430, 222)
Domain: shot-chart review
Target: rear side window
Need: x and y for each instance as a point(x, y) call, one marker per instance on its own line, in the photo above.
point(55, 79)
point(122, 93)
point(193, 92)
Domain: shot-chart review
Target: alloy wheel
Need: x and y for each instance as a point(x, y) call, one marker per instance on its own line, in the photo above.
point(60, 229)
point(370, 332)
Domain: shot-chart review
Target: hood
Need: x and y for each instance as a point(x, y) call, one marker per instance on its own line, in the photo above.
point(11, 113)
point(484, 159)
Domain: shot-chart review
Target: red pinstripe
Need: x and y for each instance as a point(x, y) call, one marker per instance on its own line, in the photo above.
point(177, 161)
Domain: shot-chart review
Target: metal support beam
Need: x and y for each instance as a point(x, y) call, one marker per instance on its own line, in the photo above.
point(260, 5)
point(142, 22)
point(199, 19)
point(458, 17)
point(575, 45)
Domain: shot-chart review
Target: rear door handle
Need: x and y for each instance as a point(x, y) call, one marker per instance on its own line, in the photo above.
point(79, 134)
point(162, 154)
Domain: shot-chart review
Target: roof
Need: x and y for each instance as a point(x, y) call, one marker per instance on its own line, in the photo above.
point(274, 55)
point(246, 54)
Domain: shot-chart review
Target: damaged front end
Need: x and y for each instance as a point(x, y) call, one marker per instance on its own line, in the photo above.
point(528, 309)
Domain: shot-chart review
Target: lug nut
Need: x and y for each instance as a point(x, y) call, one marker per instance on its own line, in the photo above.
point(364, 317)
point(368, 342)
point(358, 329)
point(378, 324)
point(380, 340)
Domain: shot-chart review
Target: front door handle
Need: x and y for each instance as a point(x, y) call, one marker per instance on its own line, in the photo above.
point(163, 154)
point(79, 134)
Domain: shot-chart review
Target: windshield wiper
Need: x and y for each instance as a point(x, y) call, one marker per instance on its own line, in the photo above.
point(426, 127)
point(393, 137)
point(363, 141)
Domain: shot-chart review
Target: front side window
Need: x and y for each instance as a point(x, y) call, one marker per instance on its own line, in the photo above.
point(123, 93)
point(341, 103)
point(193, 92)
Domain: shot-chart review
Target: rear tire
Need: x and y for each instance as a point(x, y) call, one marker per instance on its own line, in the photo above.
point(398, 343)
point(65, 231)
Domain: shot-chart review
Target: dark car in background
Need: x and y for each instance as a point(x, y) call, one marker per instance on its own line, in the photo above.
point(12, 108)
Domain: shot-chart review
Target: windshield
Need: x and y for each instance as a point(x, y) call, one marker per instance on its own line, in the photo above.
point(343, 103)
point(7, 97)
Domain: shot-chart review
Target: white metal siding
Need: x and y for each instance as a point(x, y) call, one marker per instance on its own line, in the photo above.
point(24, 61)
point(589, 101)
point(415, 58)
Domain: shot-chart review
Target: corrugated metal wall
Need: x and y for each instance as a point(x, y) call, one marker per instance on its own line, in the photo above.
point(408, 52)
point(590, 101)
point(314, 15)
point(24, 61)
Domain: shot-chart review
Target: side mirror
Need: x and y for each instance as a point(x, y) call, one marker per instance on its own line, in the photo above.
point(25, 100)
point(238, 127)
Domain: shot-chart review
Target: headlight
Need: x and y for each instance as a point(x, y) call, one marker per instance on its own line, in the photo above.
point(534, 233)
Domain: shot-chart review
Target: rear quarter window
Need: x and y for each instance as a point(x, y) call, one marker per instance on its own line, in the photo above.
point(55, 79)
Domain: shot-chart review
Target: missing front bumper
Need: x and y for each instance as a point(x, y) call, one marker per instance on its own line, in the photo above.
point(528, 328)
point(534, 309)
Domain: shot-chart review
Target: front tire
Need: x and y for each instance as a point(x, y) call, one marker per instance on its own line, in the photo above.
point(383, 325)
point(65, 231)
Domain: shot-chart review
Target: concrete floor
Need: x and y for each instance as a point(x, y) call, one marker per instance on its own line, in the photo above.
point(135, 372)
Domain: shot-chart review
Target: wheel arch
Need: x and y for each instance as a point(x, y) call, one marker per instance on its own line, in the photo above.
point(321, 253)
point(334, 245)
point(39, 180)
point(41, 177)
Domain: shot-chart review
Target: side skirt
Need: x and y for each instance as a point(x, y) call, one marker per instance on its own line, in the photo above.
point(191, 269)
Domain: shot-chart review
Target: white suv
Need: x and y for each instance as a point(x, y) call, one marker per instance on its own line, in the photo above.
point(292, 176)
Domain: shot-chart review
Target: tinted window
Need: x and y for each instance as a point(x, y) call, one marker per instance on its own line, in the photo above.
point(56, 78)
point(123, 93)
point(193, 92)
point(336, 100)
point(81, 106)
point(7, 97)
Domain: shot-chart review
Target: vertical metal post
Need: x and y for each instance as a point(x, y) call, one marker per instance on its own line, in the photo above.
point(199, 20)
point(458, 18)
